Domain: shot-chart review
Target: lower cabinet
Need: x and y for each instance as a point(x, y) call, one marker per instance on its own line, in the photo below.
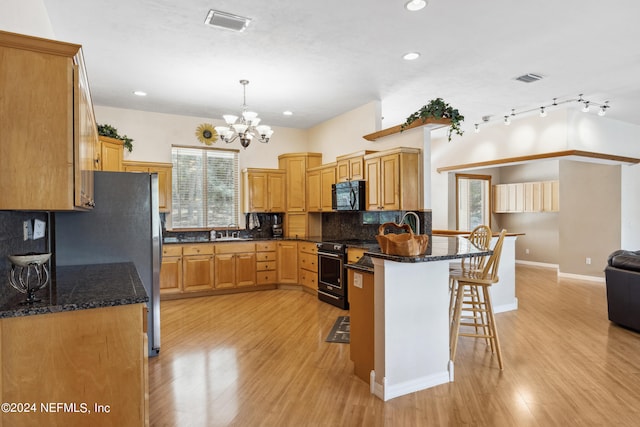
point(197, 268)
point(287, 253)
point(361, 311)
point(308, 262)
point(171, 270)
point(235, 265)
point(266, 267)
point(93, 361)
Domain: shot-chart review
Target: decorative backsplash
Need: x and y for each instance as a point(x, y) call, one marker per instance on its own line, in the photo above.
point(364, 225)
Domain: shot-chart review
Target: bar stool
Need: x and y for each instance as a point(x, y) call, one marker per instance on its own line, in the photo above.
point(477, 283)
point(480, 237)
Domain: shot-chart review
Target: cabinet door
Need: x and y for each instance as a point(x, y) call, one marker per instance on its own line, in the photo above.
point(164, 187)
point(245, 265)
point(171, 275)
point(532, 197)
point(356, 168)
point(296, 184)
point(372, 170)
point(111, 155)
point(225, 271)
point(327, 179)
point(287, 254)
point(314, 190)
point(197, 273)
point(551, 196)
point(85, 140)
point(276, 183)
point(342, 170)
point(390, 182)
point(296, 225)
point(258, 191)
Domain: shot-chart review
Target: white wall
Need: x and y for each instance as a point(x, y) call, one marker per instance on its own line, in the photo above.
point(154, 133)
point(26, 17)
point(630, 207)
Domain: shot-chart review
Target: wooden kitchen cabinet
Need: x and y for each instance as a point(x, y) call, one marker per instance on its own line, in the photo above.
point(287, 262)
point(308, 263)
point(235, 265)
point(110, 154)
point(171, 270)
point(526, 197)
point(297, 221)
point(551, 196)
point(93, 356)
point(394, 179)
point(350, 167)
point(319, 187)
point(164, 179)
point(532, 196)
point(197, 267)
point(266, 263)
point(48, 126)
point(361, 310)
point(264, 190)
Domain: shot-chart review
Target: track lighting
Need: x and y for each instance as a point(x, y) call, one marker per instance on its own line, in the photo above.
point(542, 110)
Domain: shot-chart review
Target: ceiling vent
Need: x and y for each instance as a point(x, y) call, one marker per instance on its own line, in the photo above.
point(530, 77)
point(219, 19)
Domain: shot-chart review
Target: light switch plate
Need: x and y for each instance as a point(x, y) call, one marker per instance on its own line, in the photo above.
point(39, 229)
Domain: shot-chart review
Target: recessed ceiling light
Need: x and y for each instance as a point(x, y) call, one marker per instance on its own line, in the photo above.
point(140, 93)
point(287, 113)
point(411, 56)
point(413, 5)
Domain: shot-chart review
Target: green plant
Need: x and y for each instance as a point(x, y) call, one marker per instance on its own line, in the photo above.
point(111, 132)
point(437, 109)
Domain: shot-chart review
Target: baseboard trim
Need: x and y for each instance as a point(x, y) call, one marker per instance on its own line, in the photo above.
point(581, 277)
point(537, 264)
point(387, 392)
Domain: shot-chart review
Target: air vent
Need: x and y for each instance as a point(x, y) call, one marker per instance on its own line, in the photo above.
point(219, 19)
point(530, 77)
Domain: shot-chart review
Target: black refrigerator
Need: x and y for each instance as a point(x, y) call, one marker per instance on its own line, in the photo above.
point(124, 226)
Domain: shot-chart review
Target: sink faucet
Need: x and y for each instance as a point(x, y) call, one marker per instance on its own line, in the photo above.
point(417, 230)
point(228, 227)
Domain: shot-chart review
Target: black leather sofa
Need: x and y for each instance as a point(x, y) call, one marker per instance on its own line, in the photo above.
point(622, 276)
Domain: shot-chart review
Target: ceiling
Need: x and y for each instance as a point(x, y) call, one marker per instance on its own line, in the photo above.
point(320, 59)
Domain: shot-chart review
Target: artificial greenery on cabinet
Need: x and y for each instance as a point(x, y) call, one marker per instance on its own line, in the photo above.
point(111, 132)
point(437, 109)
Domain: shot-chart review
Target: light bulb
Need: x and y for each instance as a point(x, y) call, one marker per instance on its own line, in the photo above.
point(477, 128)
point(585, 109)
point(543, 112)
point(507, 121)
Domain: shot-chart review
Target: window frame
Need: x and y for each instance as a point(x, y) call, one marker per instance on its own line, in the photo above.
point(467, 176)
point(205, 203)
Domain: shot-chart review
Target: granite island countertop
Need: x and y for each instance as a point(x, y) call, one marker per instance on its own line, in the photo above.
point(78, 287)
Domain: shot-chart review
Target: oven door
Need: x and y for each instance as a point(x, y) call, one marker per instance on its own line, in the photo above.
point(331, 273)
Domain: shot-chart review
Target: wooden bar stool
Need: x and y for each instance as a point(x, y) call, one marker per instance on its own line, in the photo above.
point(480, 237)
point(475, 285)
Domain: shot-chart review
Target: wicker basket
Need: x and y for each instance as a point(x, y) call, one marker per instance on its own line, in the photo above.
point(405, 244)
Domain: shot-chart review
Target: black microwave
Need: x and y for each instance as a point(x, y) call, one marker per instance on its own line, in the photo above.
point(348, 196)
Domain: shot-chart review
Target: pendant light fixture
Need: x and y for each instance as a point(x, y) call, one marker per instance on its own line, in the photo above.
point(244, 127)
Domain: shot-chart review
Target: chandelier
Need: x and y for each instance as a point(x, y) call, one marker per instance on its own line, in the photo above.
point(246, 127)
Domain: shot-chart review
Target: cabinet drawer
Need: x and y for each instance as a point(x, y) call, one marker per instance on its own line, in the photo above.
point(266, 277)
point(265, 265)
point(266, 256)
point(202, 249)
point(265, 246)
point(309, 279)
point(309, 262)
point(171, 250)
point(308, 247)
point(234, 248)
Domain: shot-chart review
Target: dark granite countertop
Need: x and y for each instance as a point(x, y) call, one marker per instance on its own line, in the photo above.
point(440, 248)
point(77, 288)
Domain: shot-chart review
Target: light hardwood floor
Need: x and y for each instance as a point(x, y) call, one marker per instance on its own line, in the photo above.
point(259, 359)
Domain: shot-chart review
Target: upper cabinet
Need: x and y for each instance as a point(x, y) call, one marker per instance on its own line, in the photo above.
point(394, 179)
point(110, 154)
point(48, 132)
point(264, 190)
point(320, 181)
point(296, 165)
point(164, 179)
point(526, 197)
point(351, 166)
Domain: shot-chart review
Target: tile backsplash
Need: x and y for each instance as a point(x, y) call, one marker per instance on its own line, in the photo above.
point(364, 225)
point(11, 237)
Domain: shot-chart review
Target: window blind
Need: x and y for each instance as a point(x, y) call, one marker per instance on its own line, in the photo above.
point(205, 187)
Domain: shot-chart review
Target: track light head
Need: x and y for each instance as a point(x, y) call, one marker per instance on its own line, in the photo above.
point(585, 109)
point(543, 112)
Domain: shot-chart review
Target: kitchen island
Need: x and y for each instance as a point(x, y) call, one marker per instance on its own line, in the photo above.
point(79, 356)
point(411, 316)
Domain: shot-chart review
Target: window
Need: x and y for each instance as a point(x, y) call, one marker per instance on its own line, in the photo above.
point(473, 201)
point(205, 187)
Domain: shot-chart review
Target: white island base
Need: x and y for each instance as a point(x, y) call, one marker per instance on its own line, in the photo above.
point(411, 320)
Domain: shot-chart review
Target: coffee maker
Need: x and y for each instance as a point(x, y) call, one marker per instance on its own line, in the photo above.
point(276, 225)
